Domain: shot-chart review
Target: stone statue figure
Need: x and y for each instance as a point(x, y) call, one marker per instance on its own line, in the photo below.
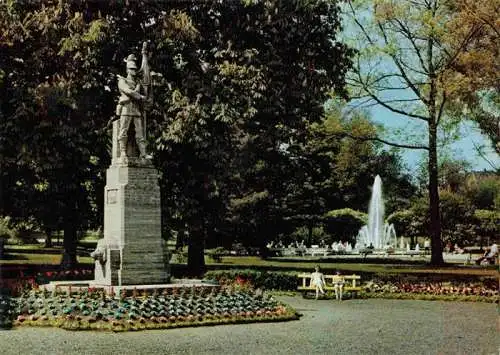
point(135, 96)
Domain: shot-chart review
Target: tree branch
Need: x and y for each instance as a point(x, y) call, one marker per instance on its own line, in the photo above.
point(479, 151)
point(411, 38)
point(396, 110)
point(378, 139)
point(365, 33)
point(401, 70)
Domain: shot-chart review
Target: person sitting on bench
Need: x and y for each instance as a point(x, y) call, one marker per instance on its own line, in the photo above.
point(490, 254)
point(338, 285)
point(318, 281)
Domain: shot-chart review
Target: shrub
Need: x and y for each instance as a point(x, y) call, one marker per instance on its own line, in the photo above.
point(345, 223)
point(259, 279)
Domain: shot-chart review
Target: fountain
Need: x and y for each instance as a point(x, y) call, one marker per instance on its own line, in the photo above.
point(376, 233)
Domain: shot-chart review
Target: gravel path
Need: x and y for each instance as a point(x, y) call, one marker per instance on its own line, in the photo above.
point(327, 327)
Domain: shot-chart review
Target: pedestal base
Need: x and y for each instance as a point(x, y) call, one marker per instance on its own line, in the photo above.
point(132, 251)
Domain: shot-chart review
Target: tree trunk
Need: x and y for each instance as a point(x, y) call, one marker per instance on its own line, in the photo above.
point(435, 218)
point(69, 259)
point(196, 252)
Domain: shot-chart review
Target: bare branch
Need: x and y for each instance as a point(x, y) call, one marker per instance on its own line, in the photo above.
point(408, 34)
point(359, 104)
point(395, 110)
point(365, 33)
point(367, 100)
point(401, 69)
point(480, 152)
point(388, 88)
point(385, 76)
point(378, 139)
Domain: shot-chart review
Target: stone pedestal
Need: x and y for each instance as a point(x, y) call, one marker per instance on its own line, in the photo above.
point(132, 251)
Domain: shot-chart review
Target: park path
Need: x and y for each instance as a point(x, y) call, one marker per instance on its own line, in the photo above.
point(327, 327)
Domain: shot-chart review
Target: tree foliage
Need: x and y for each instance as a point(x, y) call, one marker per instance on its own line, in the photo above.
point(473, 76)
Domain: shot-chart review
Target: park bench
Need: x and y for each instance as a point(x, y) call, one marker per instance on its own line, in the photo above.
point(350, 284)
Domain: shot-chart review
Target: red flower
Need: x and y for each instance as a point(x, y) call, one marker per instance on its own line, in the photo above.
point(240, 280)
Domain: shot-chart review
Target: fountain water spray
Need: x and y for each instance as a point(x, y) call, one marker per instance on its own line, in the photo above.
point(376, 232)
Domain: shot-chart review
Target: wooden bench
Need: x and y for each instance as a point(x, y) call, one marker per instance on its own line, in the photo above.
point(350, 284)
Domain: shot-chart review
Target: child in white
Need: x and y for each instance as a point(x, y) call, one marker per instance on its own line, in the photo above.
point(338, 285)
point(318, 281)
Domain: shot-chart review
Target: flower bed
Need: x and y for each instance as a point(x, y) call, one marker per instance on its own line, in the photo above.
point(253, 278)
point(485, 291)
point(64, 275)
point(174, 308)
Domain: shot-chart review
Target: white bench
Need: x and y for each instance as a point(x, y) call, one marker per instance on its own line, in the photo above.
point(350, 285)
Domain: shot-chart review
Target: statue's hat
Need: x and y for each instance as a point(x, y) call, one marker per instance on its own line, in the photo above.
point(130, 60)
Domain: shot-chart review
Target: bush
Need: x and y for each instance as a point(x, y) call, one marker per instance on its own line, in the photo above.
point(258, 279)
point(345, 223)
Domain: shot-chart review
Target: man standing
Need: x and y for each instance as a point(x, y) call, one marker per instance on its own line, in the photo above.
point(131, 107)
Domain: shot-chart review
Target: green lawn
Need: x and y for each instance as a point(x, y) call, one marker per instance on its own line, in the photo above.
point(249, 261)
point(21, 255)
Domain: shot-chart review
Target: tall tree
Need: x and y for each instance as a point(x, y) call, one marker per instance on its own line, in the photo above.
point(403, 51)
point(263, 77)
point(45, 105)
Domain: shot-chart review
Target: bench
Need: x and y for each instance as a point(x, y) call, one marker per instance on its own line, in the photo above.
point(350, 284)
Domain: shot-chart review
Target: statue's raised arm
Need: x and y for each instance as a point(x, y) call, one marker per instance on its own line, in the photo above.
point(146, 72)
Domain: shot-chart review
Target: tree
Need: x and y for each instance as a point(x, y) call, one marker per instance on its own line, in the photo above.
point(483, 190)
point(49, 117)
point(458, 218)
point(403, 49)
point(488, 222)
point(473, 77)
point(297, 67)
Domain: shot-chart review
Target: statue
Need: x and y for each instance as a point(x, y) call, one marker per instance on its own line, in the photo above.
point(135, 96)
